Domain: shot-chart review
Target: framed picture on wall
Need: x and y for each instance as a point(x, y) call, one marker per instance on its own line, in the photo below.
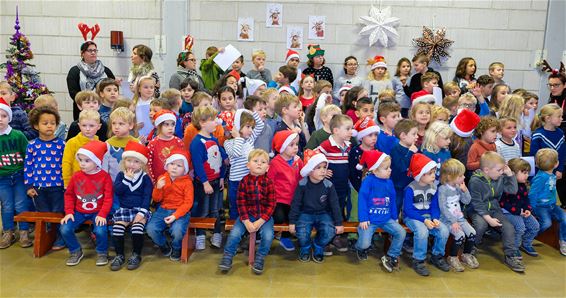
point(274, 15)
point(294, 37)
point(317, 27)
point(246, 29)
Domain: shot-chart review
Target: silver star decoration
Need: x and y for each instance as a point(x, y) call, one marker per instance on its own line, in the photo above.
point(380, 26)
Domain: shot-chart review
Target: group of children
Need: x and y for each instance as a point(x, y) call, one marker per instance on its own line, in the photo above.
point(149, 164)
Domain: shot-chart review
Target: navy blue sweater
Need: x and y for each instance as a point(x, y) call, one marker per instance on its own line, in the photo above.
point(401, 158)
point(136, 193)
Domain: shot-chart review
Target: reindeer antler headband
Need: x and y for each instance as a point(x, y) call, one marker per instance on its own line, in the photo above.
point(547, 68)
point(85, 29)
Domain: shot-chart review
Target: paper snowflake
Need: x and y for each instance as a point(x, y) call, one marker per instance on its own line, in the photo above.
point(380, 26)
point(433, 44)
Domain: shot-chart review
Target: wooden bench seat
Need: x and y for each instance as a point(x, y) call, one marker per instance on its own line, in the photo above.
point(189, 241)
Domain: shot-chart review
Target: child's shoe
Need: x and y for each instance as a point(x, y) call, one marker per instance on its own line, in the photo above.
point(225, 263)
point(420, 268)
point(529, 249)
point(389, 263)
point(514, 263)
point(200, 245)
point(470, 261)
point(329, 250)
point(362, 254)
point(8, 238)
point(318, 257)
point(117, 263)
point(287, 244)
point(59, 244)
point(341, 243)
point(175, 255)
point(134, 261)
point(216, 240)
point(440, 263)
point(75, 258)
point(455, 264)
point(563, 247)
point(165, 249)
point(101, 259)
point(257, 268)
point(305, 258)
point(24, 239)
point(408, 245)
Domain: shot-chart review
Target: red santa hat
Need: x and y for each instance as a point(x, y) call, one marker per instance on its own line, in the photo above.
point(178, 154)
point(422, 96)
point(94, 150)
point(365, 127)
point(237, 117)
point(287, 88)
point(311, 160)
point(6, 108)
point(234, 74)
point(378, 61)
point(136, 150)
point(282, 139)
point(291, 54)
point(464, 123)
point(372, 159)
point(164, 115)
point(345, 87)
point(420, 165)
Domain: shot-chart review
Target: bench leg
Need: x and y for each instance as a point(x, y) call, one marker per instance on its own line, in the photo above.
point(43, 238)
point(251, 250)
point(188, 246)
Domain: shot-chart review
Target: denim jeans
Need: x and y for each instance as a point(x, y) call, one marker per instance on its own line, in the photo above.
point(14, 200)
point(68, 233)
point(391, 227)
point(265, 232)
point(208, 205)
point(51, 199)
point(546, 214)
point(232, 196)
point(526, 229)
point(177, 229)
point(325, 231)
point(420, 238)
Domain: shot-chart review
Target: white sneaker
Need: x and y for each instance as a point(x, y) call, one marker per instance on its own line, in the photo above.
point(216, 240)
point(200, 245)
point(562, 247)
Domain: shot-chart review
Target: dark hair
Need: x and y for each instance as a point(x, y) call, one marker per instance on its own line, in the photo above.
point(350, 98)
point(36, 113)
point(221, 83)
point(87, 44)
point(398, 71)
point(346, 61)
point(404, 126)
point(363, 101)
point(189, 82)
point(310, 62)
point(288, 72)
point(560, 76)
point(144, 52)
point(182, 57)
point(387, 107)
point(225, 89)
point(252, 100)
point(462, 65)
point(105, 83)
point(485, 80)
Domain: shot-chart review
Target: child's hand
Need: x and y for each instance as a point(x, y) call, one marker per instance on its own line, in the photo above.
point(463, 187)
point(297, 130)
point(558, 175)
point(507, 171)
point(32, 193)
point(329, 99)
point(525, 213)
point(403, 80)
point(329, 173)
point(221, 184)
point(235, 133)
point(139, 125)
point(260, 67)
point(160, 183)
point(258, 223)
point(436, 223)
point(221, 50)
point(100, 221)
point(139, 218)
point(292, 229)
point(455, 228)
point(339, 230)
point(249, 226)
point(364, 225)
point(129, 173)
point(169, 219)
point(207, 188)
point(65, 219)
point(493, 222)
point(429, 224)
point(414, 148)
point(118, 80)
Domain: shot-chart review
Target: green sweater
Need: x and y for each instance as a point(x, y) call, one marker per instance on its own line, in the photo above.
point(210, 72)
point(12, 152)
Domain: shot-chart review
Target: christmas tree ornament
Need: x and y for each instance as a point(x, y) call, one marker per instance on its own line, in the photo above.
point(433, 44)
point(380, 26)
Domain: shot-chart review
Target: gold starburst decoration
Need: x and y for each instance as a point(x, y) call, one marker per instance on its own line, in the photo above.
point(433, 44)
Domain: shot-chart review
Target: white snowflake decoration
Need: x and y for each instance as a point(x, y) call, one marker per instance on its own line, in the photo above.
point(380, 26)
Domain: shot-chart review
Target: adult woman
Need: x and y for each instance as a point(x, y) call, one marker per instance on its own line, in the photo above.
point(86, 74)
point(186, 69)
point(557, 85)
point(142, 66)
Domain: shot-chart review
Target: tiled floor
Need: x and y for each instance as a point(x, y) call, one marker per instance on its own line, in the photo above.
point(340, 275)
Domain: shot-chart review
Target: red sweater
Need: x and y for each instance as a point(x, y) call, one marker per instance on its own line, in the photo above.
point(477, 149)
point(285, 178)
point(89, 193)
point(159, 150)
point(175, 194)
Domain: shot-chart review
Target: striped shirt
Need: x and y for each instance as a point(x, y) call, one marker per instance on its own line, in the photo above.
point(239, 148)
point(337, 162)
point(508, 151)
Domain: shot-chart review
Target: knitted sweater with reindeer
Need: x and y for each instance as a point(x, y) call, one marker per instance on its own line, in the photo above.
point(89, 193)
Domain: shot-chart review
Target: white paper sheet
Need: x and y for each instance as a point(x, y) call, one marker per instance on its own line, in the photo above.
point(225, 59)
point(437, 93)
point(531, 161)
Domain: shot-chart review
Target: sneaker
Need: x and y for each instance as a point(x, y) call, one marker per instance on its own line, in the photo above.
point(200, 245)
point(257, 268)
point(340, 243)
point(8, 238)
point(329, 250)
point(470, 261)
point(225, 263)
point(175, 255)
point(75, 258)
point(134, 261)
point(318, 258)
point(389, 263)
point(287, 244)
point(563, 247)
point(305, 257)
point(529, 250)
point(440, 263)
point(455, 264)
point(24, 239)
point(362, 254)
point(165, 249)
point(101, 259)
point(216, 240)
point(514, 263)
point(57, 246)
point(117, 263)
point(518, 255)
point(420, 268)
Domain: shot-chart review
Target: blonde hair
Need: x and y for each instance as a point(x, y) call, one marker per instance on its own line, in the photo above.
point(329, 109)
point(258, 153)
point(546, 111)
point(172, 96)
point(284, 101)
point(436, 129)
point(386, 95)
point(46, 100)
point(490, 159)
point(266, 94)
point(467, 97)
point(124, 113)
point(493, 65)
point(83, 96)
point(512, 106)
point(203, 114)
point(546, 159)
point(138, 86)
point(371, 77)
point(415, 108)
point(436, 111)
point(121, 102)
point(518, 164)
point(199, 96)
point(339, 120)
point(450, 170)
point(122, 164)
point(450, 86)
point(89, 115)
point(257, 53)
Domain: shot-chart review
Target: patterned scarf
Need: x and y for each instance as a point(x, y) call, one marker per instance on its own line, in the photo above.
point(140, 70)
point(90, 74)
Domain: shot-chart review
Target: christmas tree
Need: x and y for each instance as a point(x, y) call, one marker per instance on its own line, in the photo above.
point(20, 74)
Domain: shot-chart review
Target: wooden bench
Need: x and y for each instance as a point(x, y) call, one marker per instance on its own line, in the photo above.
point(43, 236)
point(550, 236)
point(189, 241)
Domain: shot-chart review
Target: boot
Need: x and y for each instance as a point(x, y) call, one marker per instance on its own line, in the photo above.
point(24, 239)
point(8, 238)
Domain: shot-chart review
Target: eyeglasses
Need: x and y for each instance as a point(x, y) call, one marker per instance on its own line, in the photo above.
point(554, 85)
point(92, 51)
point(192, 60)
point(468, 105)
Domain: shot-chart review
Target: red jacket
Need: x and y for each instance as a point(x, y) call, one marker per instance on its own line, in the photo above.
point(89, 193)
point(175, 195)
point(477, 149)
point(285, 178)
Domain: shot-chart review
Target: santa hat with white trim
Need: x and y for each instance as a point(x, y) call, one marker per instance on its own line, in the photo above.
point(378, 61)
point(282, 139)
point(346, 87)
point(286, 88)
point(178, 154)
point(365, 127)
point(422, 96)
point(420, 165)
point(162, 116)
point(94, 150)
point(312, 159)
point(372, 159)
point(6, 108)
point(237, 124)
point(136, 150)
point(290, 55)
point(464, 123)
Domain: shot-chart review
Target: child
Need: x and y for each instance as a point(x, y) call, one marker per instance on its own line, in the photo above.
point(321, 135)
point(19, 117)
point(108, 90)
point(364, 108)
point(132, 188)
point(271, 118)
point(512, 107)
point(87, 100)
point(463, 126)
point(227, 103)
point(315, 205)
point(323, 94)
point(259, 72)
point(497, 71)
point(247, 127)
point(174, 99)
point(482, 92)
point(42, 169)
point(188, 90)
point(210, 71)
point(366, 134)
point(387, 95)
point(174, 193)
point(486, 134)
point(401, 81)
point(238, 65)
point(486, 186)
point(285, 76)
point(421, 213)
point(451, 89)
point(497, 96)
point(12, 191)
point(316, 65)
point(165, 142)
point(349, 106)
point(50, 101)
point(258, 105)
point(156, 105)
point(420, 65)
point(467, 101)
point(141, 103)
point(88, 197)
point(208, 160)
point(518, 209)
point(465, 74)
point(284, 172)
point(406, 131)
point(506, 145)
point(435, 144)
point(292, 59)
point(89, 122)
point(451, 193)
point(376, 209)
point(429, 80)
point(122, 121)
point(256, 203)
point(451, 103)
point(543, 194)
point(439, 113)
point(292, 118)
point(306, 95)
point(389, 115)
point(420, 113)
point(378, 78)
point(527, 119)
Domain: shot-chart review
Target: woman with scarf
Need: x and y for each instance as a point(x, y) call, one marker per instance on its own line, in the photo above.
point(86, 74)
point(141, 67)
point(186, 69)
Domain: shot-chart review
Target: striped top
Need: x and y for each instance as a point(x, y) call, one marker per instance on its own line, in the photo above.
point(337, 162)
point(508, 151)
point(239, 148)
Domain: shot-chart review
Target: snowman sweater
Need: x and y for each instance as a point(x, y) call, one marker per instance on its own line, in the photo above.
point(89, 193)
point(42, 167)
point(208, 158)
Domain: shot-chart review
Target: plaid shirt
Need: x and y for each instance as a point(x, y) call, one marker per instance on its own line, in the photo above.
point(256, 197)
